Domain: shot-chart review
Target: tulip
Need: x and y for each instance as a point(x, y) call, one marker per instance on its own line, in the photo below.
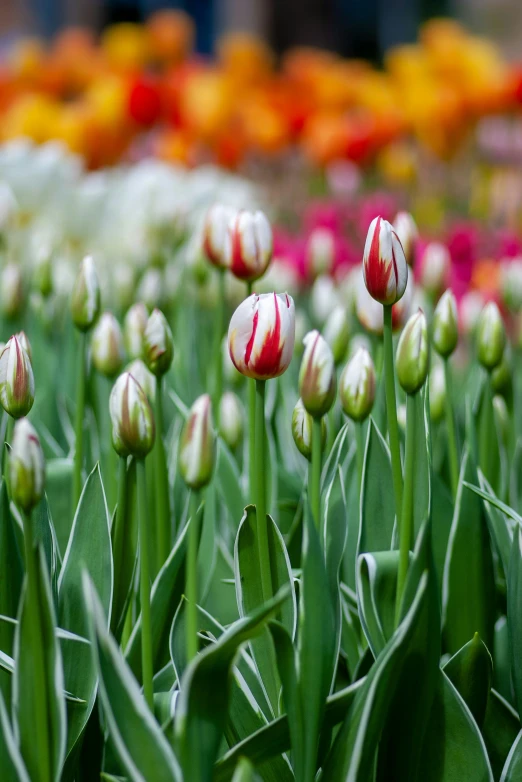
point(151, 289)
point(437, 393)
point(317, 381)
point(445, 325)
point(134, 326)
point(132, 419)
point(231, 420)
point(16, 379)
point(491, 336)
point(42, 277)
point(11, 291)
point(357, 386)
point(320, 252)
point(261, 335)
point(337, 333)
point(197, 445)
point(412, 354)
point(384, 265)
point(26, 467)
point(406, 230)
point(302, 426)
point(436, 264)
point(158, 344)
point(85, 299)
point(470, 307)
point(323, 298)
point(251, 245)
point(369, 312)
point(217, 239)
point(107, 345)
point(24, 342)
point(143, 376)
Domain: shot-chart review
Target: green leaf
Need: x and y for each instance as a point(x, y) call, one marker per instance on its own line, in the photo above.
point(469, 586)
point(500, 729)
point(470, 671)
point(201, 709)
point(58, 487)
point(249, 593)
point(376, 591)
point(11, 578)
point(514, 609)
point(140, 745)
point(11, 763)
point(441, 516)
point(422, 465)
point(89, 548)
point(335, 456)
point(245, 772)
point(377, 507)
point(334, 532)
point(36, 636)
point(512, 771)
point(229, 484)
point(500, 525)
point(502, 660)
point(286, 662)
point(493, 500)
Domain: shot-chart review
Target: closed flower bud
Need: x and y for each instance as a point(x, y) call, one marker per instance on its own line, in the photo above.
point(107, 346)
point(145, 378)
point(435, 269)
point(445, 325)
point(151, 289)
point(406, 230)
point(26, 467)
point(85, 300)
point(197, 445)
point(251, 245)
point(42, 277)
point(470, 307)
point(217, 240)
point(11, 290)
point(158, 344)
point(320, 252)
point(384, 265)
point(16, 379)
point(131, 417)
point(502, 418)
point(24, 342)
point(437, 393)
point(261, 335)
point(302, 423)
point(357, 386)
point(230, 419)
point(369, 311)
point(317, 380)
point(337, 333)
point(134, 326)
point(491, 336)
point(323, 298)
point(412, 354)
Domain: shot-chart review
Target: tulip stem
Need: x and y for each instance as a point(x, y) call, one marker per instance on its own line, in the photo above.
point(251, 427)
point(146, 639)
point(406, 523)
point(191, 587)
point(450, 425)
point(40, 695)
point(118, 541)
point(9, 429)
point(161, 481)
point(262, 528)
point(315, 472)
point(359, 439)
point(220, 317)
point(391, 409)
point(78, 428)
point(487, 431)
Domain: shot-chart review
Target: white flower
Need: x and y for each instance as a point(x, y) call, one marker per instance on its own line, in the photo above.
point(384, 264)
point(357, 386)
point(26, 467)
point(107, 345)
point(317, 379)
point(197, 444)
point(16, 379)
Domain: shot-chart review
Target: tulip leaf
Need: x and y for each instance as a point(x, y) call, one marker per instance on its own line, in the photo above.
point(488, 496)
point(422, 464)
point(139, 743)
point(470, 671)
point(469, 586)
point(335, 456)
point(512, 771)
point(245, 772)
point(36, 637)
point(502, 660)
point(376, 590)
point(514, 612)
point(11, 763)
point(500, 525)
point(11, 570)
point(377, 507)
point(229, 485)
point(500, 729)
point(441, 516)
point(202, 706)
point(353, 519)
point(89, 547)
point(58, 487)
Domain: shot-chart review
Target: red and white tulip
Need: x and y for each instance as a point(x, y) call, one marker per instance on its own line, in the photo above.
point(384, 263)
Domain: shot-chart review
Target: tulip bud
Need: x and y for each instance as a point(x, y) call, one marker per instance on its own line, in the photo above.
point(323, 298)
point(412, 354)
point(501, 375)
point(436, 264)
point(437, 393)
point(320, 252)
point(369, 311)
point(357, 386)
point(134, 326)
point(252, 245)
point(217, 240)
point(261, 335)
point(85, 299)
point(26, 467)
point(16, 379)
point(470, 307)
point(24, 342)
point(141, 374)
point(151, 288)
point(406, 229)
point(197, 445)
point(302, 430)
point(337, 333)
point(107, 346)
point(132, 418)
point(11, 291)
point(317, 380)
point(491, 336)
point(230, 419)
point(158, 344)
point(384, 265)
point(502, 418)
point(42, 277)
point(445, 325)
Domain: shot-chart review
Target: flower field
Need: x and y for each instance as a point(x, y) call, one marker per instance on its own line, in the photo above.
point(261, 494)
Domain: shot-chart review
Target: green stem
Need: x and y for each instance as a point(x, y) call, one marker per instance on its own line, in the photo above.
point(9, 429)
point(161, 484)
point(220, 317)
point(486, 431)
point(391, 409)
point(359, 440)
point(406, 524)
point(40, 694)
point(146, 639)
point(262, 528)
point(191, 587)
point(251, 427)
point(315, 472)
point(78, 428)
point(118, 541)
point(450, 426)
